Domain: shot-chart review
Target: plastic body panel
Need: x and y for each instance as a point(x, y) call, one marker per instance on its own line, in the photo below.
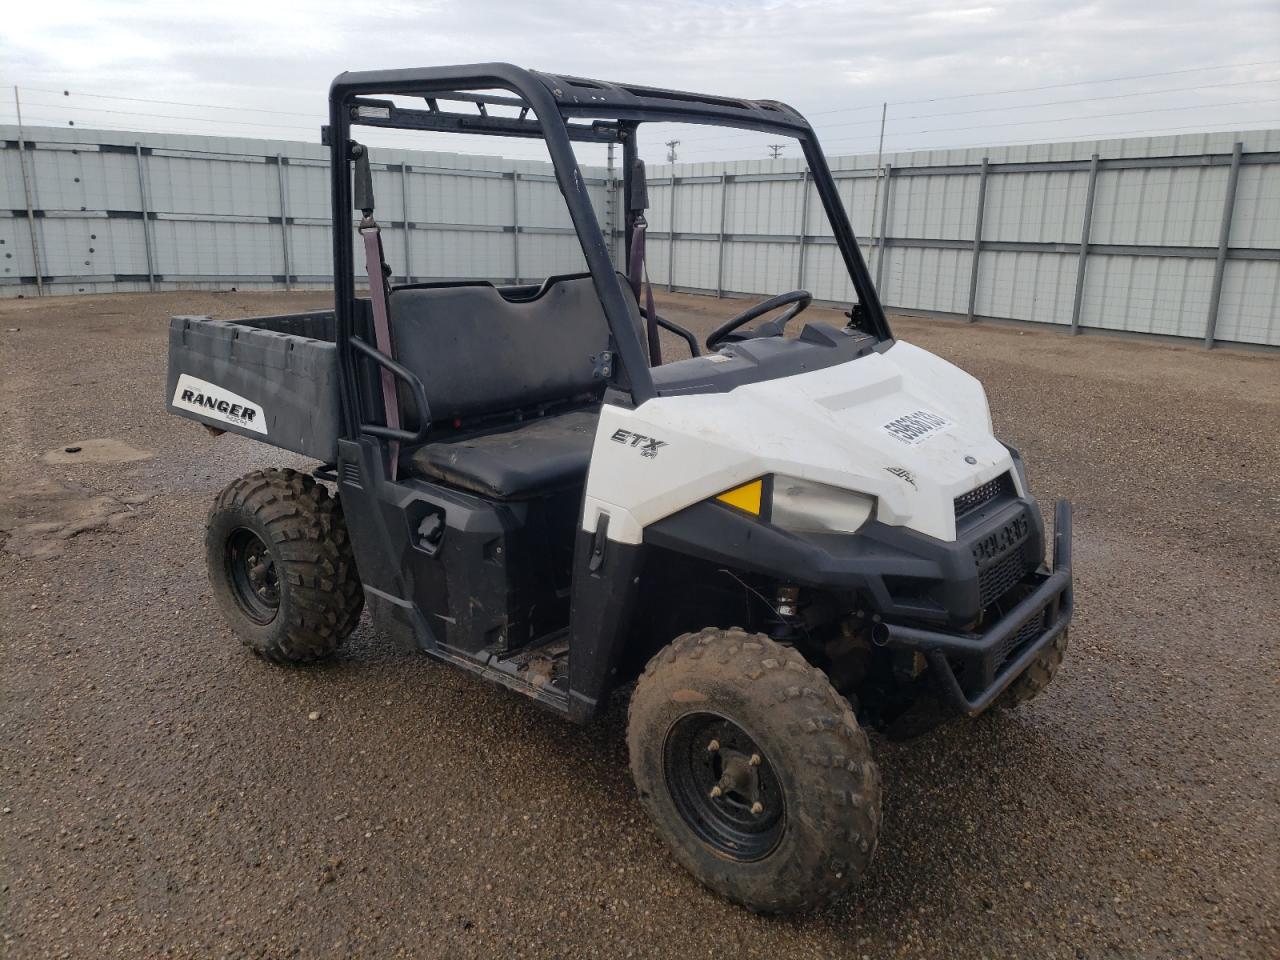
point(287, 366)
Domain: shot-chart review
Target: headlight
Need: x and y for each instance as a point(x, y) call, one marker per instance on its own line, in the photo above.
point(808, 507)
point(802, 505)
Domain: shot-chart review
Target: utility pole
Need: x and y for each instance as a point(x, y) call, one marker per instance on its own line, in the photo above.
point(875, 200)
point(26, 190)
point(776, 149)
point(671, 217)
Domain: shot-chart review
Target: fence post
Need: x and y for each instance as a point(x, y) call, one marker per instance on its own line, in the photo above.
point(404, 218)
point(1224, 235)
point(1084, 244)
point(515, 226)
point(284, 221)
point(26, 190)
point(883, 250)
point(724, 209)
point(671, 233)
point(977, 237)
point(146, 217)
point(804, 226)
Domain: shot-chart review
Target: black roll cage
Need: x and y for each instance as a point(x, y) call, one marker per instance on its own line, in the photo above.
point(566, 110)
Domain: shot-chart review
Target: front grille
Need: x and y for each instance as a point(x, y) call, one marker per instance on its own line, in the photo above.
point(979, 497)
point(1014, 643)
point(998, 578)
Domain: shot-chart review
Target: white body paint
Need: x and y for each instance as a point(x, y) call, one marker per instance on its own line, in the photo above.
point(848, 426)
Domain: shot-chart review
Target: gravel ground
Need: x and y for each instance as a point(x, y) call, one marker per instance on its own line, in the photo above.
point(165, 794)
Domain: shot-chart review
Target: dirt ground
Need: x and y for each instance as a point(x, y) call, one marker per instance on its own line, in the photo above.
point(165, 794)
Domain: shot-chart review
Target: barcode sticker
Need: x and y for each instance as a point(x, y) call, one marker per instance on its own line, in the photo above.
point(916, 426)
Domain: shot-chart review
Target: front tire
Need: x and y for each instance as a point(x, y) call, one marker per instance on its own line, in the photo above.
point(281, 566)
point(754, 770)
point(1036, 677)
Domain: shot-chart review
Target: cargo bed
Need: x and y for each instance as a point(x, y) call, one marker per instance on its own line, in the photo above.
point(267, 378)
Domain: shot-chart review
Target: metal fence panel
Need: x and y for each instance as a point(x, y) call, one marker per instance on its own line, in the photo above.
point(756, 266)
point(1250, 292)
point(1160, 207)
point(937, 280)
point(1030, 286)
point(698, 261)
point(230, 212)
point(825, 274)
point(935, 208)
point(1257, 214)
point(1030, 207)
point(1167, 235)
point(1148, 294)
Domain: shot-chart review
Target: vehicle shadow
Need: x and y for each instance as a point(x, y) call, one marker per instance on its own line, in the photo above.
point(972, 810)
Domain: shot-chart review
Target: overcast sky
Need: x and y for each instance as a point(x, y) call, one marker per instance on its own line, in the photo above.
point(836, 62)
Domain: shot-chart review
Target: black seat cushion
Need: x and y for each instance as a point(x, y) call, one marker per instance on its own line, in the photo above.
point(521, 461)
point(479, 350)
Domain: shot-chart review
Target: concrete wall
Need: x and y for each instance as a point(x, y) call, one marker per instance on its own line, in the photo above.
point(1182, 237)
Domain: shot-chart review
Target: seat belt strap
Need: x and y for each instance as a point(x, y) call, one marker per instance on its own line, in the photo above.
point(638, 271)
point(381, 330)
point(651, 322)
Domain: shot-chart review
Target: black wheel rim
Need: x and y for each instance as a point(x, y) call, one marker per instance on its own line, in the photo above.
point(724, 786)
point(252, 572)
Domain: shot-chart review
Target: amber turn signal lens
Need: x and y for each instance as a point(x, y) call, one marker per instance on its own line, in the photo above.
point(747, 497)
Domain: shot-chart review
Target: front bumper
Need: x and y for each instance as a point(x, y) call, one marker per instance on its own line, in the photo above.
point(973, 669)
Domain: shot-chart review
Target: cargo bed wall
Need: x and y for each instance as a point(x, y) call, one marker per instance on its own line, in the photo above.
point(273, 379)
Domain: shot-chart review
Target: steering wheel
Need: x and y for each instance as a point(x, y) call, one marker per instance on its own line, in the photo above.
point(774, 328)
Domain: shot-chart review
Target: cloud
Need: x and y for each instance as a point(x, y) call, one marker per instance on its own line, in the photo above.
point(822, 57)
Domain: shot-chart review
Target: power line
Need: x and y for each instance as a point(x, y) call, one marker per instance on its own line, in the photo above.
point(1057, 103)
point(170, 120)
point(169, 116)
point(1086, 116)
point(1229, 126)
point(1079, 83)
point(816, 113)
point(1015, 106)
point(721, 138)
point(415, 138)
point(171, 103)
point(1054, 86)
point(1020, 123)
point(1226, 126)
point(959, 96)
point(775, 149)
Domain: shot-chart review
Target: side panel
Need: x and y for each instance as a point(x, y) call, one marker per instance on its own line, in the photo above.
point(260, 383)
point(479, 576)
point(605, 593)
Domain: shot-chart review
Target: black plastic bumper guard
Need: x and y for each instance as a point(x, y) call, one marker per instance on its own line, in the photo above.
point(1050, 597)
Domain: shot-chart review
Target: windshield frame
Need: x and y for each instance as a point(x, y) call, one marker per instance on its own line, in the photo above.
point(614, 112)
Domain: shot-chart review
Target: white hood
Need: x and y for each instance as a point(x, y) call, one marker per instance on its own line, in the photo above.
point(904, 426)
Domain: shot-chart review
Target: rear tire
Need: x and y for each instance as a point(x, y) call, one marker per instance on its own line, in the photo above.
point(281, 566)
point(798, 813)
point(1036, 677)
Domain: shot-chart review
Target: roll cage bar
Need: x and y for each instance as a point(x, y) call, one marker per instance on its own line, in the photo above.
point(566, 110)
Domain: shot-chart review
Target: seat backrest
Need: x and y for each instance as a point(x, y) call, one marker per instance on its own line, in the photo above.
point(479, 353)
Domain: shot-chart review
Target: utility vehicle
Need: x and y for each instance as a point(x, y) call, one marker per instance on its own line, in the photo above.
point(779, 543)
